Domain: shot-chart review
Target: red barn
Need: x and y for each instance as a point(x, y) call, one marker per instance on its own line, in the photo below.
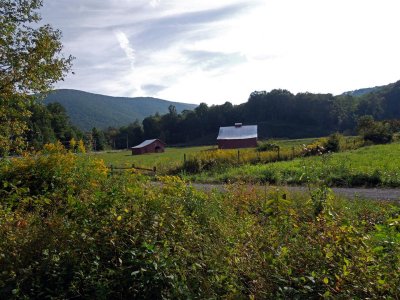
point(149, 146)
point(237, 136)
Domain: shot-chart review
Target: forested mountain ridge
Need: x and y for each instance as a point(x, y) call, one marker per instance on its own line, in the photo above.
point(87, 110)
point(361, 92)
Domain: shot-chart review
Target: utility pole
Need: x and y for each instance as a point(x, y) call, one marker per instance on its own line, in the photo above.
point(127, 142)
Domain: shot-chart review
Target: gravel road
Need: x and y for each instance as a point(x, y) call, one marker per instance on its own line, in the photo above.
point(351, 193)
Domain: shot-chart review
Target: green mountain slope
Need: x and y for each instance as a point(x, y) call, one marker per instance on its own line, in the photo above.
point(364, 91)
point(87, 110)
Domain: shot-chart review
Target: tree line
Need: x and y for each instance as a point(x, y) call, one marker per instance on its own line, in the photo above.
point(278, 114)
point(48, 124)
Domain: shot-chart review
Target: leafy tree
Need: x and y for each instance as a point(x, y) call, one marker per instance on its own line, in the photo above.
point(344, 107)
point(374, 131)
point(81, 147)
point(334, 142)
point(72, 144)
point(99, 141)
point(152, 127)
point(391, 100)
point(48, 124)
point(60, 123)
point(111, 134)
point(169, 123)
point(30, 63)
point(394, 125)
point(40, 128)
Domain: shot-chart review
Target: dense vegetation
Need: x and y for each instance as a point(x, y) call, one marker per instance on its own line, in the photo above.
point(278, 113)
point(68, 229)
point(30, 62)
point(48, 124)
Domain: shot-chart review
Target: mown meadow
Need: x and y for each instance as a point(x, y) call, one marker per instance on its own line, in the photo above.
point(70, 230)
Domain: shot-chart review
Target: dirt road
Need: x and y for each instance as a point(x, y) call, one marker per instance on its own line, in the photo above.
point(351, 193)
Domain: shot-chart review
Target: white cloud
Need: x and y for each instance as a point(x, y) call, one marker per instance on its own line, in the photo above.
point(214, 51)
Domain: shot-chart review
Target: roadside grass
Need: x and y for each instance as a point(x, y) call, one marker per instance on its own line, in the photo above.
point(368, 166)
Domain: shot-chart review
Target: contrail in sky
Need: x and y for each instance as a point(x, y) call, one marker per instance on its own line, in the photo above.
point(126, 46)
point(155, 3)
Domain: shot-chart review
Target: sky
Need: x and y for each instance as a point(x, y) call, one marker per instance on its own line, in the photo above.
point(215, 51)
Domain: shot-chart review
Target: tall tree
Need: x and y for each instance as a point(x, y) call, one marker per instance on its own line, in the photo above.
point(40, 126)
point(98, 139)
point(30, 63)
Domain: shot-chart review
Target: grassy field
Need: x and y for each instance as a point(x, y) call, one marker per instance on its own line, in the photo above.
point(174, 156)
point(162, 161)
point(368, 166)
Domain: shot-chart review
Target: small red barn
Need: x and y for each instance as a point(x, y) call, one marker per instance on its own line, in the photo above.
point(149, 146)
point(237, 136)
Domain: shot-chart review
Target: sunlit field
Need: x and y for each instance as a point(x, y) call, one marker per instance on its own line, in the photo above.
point(172, 156)
point(377, 165)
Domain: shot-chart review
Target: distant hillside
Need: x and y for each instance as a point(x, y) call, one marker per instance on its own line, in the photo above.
point(361, 92)
point(87, 110)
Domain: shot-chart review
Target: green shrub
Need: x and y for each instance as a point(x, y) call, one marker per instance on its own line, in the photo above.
point(316, 148)
point(374, 131)
point(48, 178)
point(334, 142)
point(267, 146)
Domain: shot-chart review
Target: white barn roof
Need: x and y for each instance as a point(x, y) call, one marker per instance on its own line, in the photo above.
point(237, 132)
point(145, 143)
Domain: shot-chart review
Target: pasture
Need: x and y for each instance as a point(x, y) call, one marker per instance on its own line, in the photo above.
point(377, 165)
point(173, 157)
point(369, 166)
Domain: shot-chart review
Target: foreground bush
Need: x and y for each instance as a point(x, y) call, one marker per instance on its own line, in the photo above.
point(103, 237)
